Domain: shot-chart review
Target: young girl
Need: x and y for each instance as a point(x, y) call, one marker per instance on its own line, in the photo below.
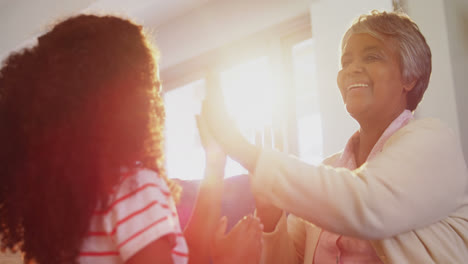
point(82, 177)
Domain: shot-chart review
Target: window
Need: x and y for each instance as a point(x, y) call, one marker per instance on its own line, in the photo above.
point(309, 123)
point(269, 83)
point(185, 158)
point(248, 95)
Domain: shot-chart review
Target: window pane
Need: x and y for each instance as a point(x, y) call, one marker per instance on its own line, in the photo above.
point(248, 92)
point(185, 158)
point(309, 121)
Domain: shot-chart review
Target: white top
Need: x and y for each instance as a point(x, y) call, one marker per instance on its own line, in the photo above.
point(140, 210)
point(410, 200)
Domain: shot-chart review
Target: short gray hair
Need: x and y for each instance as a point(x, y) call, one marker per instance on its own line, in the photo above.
point(415, 54)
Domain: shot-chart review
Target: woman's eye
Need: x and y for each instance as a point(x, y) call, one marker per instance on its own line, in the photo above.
point(371, 58)
point(345, 63)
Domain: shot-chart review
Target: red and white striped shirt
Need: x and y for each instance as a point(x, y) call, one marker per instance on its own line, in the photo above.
point(140, 210)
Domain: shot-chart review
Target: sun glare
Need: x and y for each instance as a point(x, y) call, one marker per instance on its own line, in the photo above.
point(248, 90)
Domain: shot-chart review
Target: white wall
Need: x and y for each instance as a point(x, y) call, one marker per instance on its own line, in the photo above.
point(456, 12)
point(206, 27)
point(330, 20)
point(20, 20)
point(220, 22)
point(440, 99)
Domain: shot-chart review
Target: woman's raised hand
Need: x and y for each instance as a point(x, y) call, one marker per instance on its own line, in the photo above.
point(226, 133)
point(243, 244)
point(223, 128)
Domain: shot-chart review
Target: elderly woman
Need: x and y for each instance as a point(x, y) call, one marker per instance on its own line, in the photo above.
point(397, 193)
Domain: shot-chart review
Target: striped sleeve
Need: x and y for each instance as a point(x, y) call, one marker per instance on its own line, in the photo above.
point(141, 212)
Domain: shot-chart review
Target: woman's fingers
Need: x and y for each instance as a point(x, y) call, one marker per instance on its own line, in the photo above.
point(248, 225)
point(242, 244)
point(220, 231)
point(241, 226)
point(253, 223)
point(249, 229)
point(268, 137)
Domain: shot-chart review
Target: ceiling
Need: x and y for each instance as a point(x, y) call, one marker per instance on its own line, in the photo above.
point(149, 12)
point(152, 12)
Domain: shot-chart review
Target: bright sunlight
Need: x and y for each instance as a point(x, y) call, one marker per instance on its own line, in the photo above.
point(249, 95)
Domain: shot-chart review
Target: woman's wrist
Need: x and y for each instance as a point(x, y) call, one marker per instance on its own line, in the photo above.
point(243, 152)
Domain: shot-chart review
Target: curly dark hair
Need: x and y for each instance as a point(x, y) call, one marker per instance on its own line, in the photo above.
point(74, 108)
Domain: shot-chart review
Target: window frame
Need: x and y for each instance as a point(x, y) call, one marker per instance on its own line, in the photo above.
point(276, 43)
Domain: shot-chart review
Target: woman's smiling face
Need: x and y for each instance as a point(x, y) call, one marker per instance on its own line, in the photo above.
point(370, 79)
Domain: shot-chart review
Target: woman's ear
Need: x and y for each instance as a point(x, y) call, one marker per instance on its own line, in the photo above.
point(408, 86)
